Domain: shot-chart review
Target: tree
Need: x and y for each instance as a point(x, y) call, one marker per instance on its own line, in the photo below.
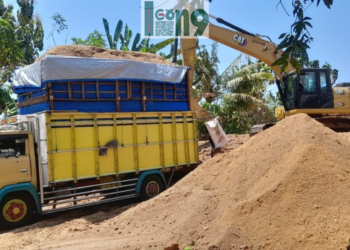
point(247, 84)
point(245, 101)
point(93, 39)
point(59, 25)
point(297, 40)
point(21, 39)
point(207, 81)
point(11, 54)
point(25, 37)
point(143, 46)
point(332, 72)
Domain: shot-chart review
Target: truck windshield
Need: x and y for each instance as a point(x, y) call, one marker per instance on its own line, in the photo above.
point(12, 146)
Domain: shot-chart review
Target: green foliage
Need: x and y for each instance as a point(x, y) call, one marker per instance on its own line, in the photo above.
point(296, 42)
point(207, 81)
point(59, 25)
point(244, 100)
point(159, 46)
point(93, 39)
point(21, 37)
point(11, 54)
point(7, 104)
point(332, 72)
point(125, 40)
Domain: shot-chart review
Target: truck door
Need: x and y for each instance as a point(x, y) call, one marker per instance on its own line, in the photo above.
point(14, 159)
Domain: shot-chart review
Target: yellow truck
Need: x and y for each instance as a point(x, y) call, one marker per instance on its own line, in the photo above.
point(54, 161)
point(91, 131)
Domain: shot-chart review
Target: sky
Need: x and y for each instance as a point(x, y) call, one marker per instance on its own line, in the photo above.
point(330, 32)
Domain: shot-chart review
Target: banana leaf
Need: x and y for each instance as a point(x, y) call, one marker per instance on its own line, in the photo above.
point(10, 105)
point(117, 33)
point(159, 46)
point(136, 42)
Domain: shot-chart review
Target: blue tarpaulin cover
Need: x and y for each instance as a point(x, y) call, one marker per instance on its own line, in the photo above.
point(63, 68)
point(59, 70)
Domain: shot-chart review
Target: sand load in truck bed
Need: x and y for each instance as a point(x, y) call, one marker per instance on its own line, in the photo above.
point(95, 52)
point(109, 81)
point(286, 188)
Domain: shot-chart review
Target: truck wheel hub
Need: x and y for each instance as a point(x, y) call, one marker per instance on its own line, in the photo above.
point(14, 210)
point(152, 189)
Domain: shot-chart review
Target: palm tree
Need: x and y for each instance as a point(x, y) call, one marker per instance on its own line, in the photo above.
point(207, 81)
point(244, 86)
point(137, 45)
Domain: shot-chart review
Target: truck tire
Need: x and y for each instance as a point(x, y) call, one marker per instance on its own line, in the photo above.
point(16, 210)
point(151, 186)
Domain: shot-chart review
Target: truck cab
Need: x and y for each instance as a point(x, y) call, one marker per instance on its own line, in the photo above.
point(18, 177)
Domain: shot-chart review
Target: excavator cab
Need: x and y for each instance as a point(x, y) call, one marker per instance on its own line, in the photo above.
point(310, 89)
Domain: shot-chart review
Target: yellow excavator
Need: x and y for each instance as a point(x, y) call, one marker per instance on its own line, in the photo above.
point(310, 91)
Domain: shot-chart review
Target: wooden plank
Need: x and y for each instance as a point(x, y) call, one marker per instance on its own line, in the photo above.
point(164, 91)
point(52, 106)
point(106, 83)
point(97, 91)
point(86, 100)
point(82, 90)
point(69, 91)
point(129, 89)
point(195, 136)
point(97, 145)
point(168, 100)
point(136, 150)
point(74, 160)
point(187, 146)
point(189, 93)
point(161, 140)
point(33, 101)
point(143, 96)
point(174, 139)
point(151, 90)
point(50, 148)
point(115, 136)
point(117, 97)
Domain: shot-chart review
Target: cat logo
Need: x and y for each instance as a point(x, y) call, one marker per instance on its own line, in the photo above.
point(339, 92)
point(240, 40)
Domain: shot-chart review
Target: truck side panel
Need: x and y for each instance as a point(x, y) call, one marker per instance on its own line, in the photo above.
point(146, 141)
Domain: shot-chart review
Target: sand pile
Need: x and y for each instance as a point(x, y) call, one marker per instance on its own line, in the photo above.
point(94, 52)
point(286, 188)
point(235, 141)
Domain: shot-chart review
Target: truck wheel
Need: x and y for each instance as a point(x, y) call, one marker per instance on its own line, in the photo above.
point(17, 210)
point(151, 186)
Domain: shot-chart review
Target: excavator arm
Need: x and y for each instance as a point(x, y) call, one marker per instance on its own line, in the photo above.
point(243, 41)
